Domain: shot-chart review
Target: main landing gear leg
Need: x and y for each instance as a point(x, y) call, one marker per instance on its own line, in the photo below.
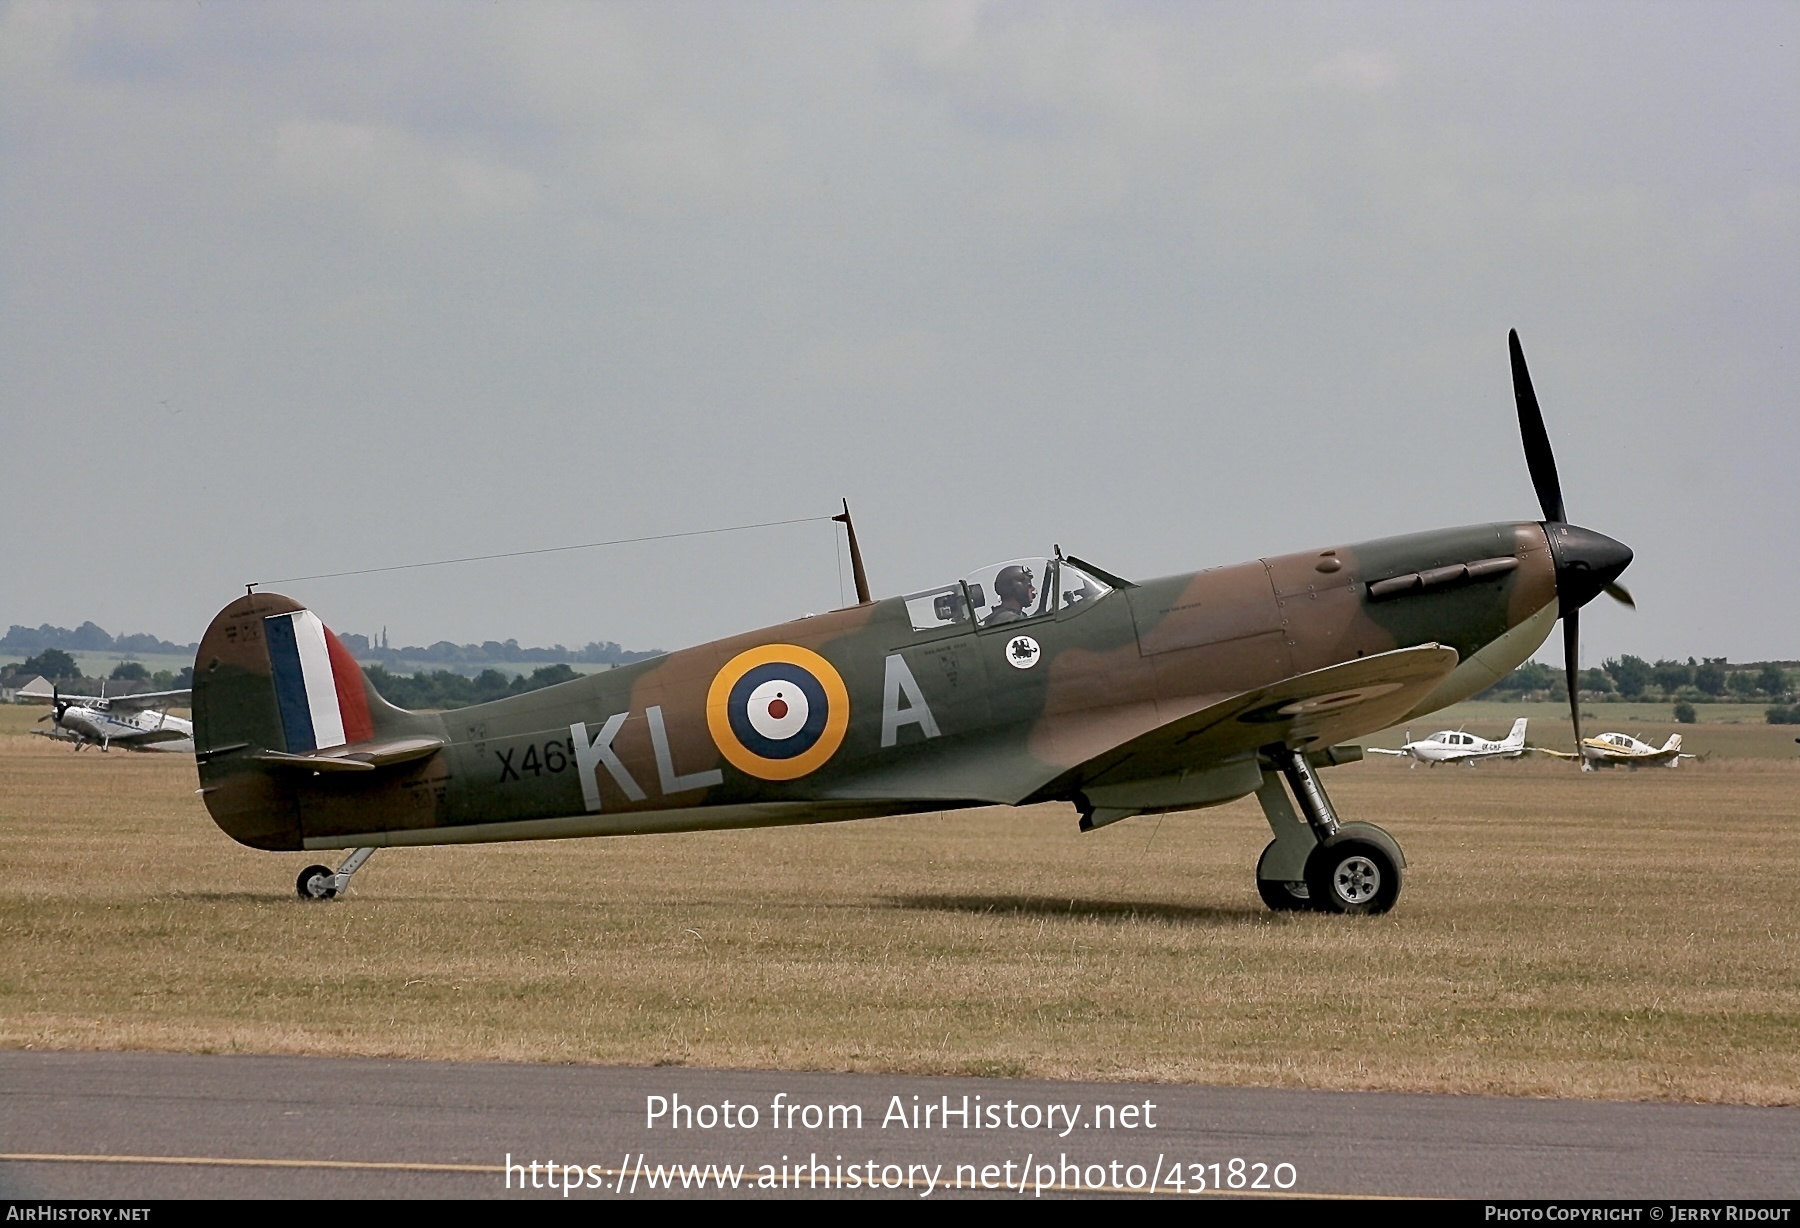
point(320, 883)
point(1281, 870)
point(1315, 861)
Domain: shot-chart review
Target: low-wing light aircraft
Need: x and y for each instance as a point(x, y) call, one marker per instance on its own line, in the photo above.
point(1455, 746)
point(1040, 679)
point(1623, 750)
point(136, 722)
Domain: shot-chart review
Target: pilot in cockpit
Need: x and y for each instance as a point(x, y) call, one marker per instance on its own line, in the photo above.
point(1016, 592)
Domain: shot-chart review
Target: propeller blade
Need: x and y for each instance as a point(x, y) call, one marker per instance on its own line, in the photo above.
point(1571, 657)
point(1538, 457)
point(40, 720)
point(1619, 593)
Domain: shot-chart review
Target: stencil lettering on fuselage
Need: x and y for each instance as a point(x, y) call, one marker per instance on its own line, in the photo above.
point(897, 684)
point(591, 756)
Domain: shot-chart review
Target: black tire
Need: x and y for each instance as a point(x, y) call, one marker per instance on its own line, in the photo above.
point(303, 884)
point(1284, 897)
point(1280, 896)
point(1352, 876)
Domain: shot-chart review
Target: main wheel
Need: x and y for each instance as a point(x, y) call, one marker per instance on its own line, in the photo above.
point(314, 883)
point(1352, 876)
point(1278, 895)
point(1284, 897)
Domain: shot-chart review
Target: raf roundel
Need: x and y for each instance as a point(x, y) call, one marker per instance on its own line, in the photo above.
point(777, 712)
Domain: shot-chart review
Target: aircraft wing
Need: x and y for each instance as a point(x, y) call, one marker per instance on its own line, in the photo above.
point(1558, 754)
point(1379, 750)
point(1306, 711)
point(150, 699)
point(1347, 700)
point(117, 703)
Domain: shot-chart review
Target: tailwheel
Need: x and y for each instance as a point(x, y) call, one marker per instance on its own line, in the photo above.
point(1350, 875)
point(315, 883)
point(324, 883)
point(1279, 895)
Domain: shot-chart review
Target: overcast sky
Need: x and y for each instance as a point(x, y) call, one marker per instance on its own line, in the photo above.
point(301, 288)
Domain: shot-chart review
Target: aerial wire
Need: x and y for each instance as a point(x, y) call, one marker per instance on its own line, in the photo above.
point(513, 554)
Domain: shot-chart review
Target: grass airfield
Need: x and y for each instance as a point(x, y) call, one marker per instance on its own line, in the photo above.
point(1628, 935)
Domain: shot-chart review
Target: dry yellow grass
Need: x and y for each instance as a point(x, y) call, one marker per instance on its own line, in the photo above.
point(1620, 935)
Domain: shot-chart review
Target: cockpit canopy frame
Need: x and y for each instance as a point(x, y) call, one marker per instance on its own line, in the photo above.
point(1015, 591)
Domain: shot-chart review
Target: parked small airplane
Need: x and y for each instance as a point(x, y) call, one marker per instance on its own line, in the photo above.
point(1045, 679)
point(1623, 750)
point(136, 722)
point(1455, 746)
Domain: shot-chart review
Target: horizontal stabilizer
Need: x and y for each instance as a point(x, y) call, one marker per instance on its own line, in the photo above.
point(358, 757)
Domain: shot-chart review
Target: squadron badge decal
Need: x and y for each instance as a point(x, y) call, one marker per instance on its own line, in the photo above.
point(1022, 652)
point(778, 712)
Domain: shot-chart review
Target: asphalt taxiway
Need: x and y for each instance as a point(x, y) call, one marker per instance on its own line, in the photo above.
point(146, 1125)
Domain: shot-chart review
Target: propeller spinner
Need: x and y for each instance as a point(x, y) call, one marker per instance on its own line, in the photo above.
point(1587, 563)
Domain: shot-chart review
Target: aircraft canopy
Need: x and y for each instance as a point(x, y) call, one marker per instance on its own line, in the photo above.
point(1017, 590)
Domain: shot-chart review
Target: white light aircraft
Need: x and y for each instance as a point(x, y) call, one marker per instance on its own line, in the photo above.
point(1623, 750)
point(136, 722)
point(1455, 746)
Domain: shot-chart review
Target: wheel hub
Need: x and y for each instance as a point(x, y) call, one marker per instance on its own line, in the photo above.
point(1357, 879)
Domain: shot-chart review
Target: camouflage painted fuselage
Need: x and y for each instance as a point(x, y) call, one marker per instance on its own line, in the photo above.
point(925, 720)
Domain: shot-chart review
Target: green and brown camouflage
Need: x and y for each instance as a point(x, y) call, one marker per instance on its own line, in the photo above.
point(1114, 708)
point(1075, 686)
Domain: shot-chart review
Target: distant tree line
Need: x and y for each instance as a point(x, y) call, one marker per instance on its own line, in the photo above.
point(441, 689)
point(446, 689)
point(86, 638)
point(461, 658)
point(1707, 680)
point(497, 652)
point(60, 668)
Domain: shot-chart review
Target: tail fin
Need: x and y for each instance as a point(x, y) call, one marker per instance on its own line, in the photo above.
point(273, 684)
point(1674, 742)
point(1517, 736)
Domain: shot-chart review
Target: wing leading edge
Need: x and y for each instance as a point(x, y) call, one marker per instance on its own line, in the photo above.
point(1306, 712)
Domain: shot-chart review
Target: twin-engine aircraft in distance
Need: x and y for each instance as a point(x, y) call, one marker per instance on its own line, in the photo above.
point(1035, 680)
point(1455, 746)
point(1623, 750)
point(135, 722)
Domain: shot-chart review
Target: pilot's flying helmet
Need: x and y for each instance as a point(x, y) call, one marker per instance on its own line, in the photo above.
point(1015, 582)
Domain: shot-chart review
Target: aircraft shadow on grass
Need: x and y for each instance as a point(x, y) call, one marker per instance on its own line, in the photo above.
point(1083, 909)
